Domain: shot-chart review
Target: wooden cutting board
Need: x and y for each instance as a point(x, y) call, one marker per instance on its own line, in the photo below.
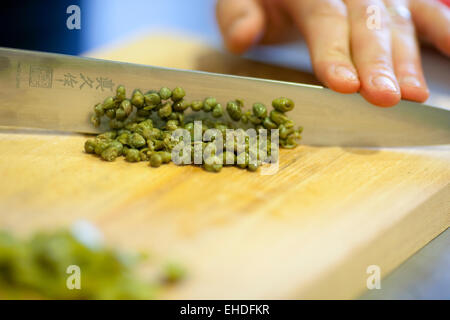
point(309, 231)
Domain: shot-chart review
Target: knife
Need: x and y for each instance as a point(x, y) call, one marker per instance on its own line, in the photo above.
point(58, 92)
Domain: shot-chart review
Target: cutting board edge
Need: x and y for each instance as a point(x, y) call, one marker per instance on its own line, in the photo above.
point(425, 223)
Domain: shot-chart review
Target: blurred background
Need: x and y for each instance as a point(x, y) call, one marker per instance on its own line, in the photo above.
point(41, 25)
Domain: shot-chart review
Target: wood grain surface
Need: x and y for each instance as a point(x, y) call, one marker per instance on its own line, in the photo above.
point(308, 231)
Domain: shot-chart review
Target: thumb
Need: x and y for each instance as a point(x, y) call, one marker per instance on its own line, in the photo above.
point(241, 23)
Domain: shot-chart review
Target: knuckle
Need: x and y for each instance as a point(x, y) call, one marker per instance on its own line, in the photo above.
point(403, 23)
point(329, 9)
point(381, 63)
point(337, 49)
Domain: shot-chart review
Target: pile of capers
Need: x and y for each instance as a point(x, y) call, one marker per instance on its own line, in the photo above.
point(141, 127)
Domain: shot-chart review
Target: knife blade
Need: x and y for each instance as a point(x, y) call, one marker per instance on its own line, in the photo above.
point(57, 92)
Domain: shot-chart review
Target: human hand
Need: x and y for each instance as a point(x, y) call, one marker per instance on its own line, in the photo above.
point(347, 55)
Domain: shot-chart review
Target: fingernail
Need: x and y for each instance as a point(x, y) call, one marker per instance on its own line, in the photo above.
point(384, 83)
point(410, 81)
point(345, 73)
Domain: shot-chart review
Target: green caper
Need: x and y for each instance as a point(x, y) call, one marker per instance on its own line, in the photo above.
point(89, 146)
point(109, 154)
point(165, 156)
point(101, 145)
point(197, 105)
point(108, 103)
point(116, 124)
point(144, 154)
point(111, 113)
point(217, 111)
point(108, 135)
point(259, 110)
point(180, 105)
point(123, 138)
point(133, 155)
point(136, 141)
point(213, 164)
point(234, 110)
point(126, 106)
point(148, 123)
point(165, 93)
point(242, 160)
point(284, 132)
point(172, 125)
point(98, 110)
point(143, 113)
point(155, 160)
point(120, 93)
point(121, 114)
point(245, 117)
point(152, 99)
point(95, 120)
point(118, 146)
point(165, 110)
point(283, 104)
point(278, 117)
point(255, 120)
point(131, 126)
point(155, 133)
point(209, 104)
point(137, 99)
point(178, 94)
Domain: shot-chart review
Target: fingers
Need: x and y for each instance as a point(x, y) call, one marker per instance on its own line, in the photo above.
point(432, 19)
point(241, 23)
point(325, 27)
point(372, 54)
point(405, 53)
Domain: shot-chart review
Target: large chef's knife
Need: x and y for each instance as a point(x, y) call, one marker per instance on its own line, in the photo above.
point(53, 91)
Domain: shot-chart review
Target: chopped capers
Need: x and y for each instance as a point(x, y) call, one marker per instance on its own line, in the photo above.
point(136, 137)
